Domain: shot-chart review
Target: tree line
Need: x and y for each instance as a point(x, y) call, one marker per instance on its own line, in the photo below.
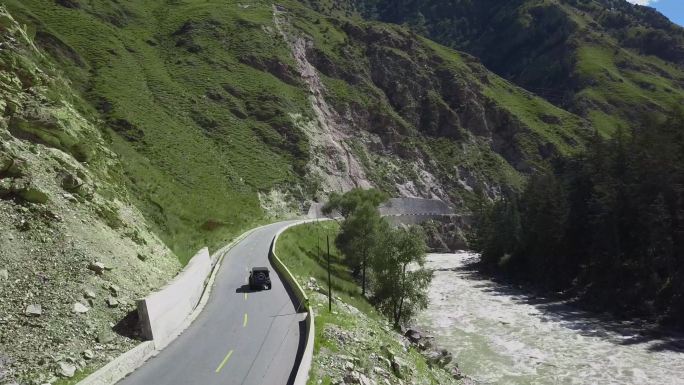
point(606, 225)
point(388, 261)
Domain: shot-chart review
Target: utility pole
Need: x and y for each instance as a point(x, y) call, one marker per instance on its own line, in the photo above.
point(327, 239)
point(318, 237)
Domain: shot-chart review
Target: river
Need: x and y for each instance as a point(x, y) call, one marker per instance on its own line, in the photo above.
point(502, 335)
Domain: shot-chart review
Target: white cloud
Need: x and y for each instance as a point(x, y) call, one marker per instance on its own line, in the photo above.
point(642, 2)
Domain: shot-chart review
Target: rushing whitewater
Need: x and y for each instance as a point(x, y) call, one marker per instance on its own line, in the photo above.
point(500, 335)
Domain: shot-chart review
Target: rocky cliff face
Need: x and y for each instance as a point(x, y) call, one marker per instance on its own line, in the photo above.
point(398, 102)
point(609, 61)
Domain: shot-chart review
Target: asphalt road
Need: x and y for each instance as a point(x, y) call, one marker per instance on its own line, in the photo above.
point(241, 337)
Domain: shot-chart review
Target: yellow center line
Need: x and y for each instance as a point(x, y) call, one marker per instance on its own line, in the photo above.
point(225, 360)
point(245, 296)
point(244, 323)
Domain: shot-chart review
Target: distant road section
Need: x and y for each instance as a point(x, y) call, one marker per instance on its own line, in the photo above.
point(415, 206)
point(400, 206)
point(241, 337)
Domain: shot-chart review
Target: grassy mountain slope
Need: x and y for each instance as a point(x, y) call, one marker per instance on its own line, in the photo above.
point(606, 60)
point(63, 208)
point(206, 103)
point(134, 133)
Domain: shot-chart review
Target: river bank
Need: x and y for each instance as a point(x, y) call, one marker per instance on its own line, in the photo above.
point(503, 335)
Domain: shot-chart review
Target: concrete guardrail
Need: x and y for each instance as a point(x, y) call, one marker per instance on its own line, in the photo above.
point(307, 357)
point(163, 312)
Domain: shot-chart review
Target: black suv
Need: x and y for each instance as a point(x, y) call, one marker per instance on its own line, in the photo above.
point(259, 279)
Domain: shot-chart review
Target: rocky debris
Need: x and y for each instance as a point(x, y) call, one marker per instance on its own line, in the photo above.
point(88, 354)
point(112, 302)
point(33, 310)
point(358, 378)
point(114, 290)
point(456, 373)
point(398, 366)
point(105, 337)
point(79, 308)
point(413, 335)
point(89, 294)
point(312, 284)
point(71, 182)
point(4, 275)
point(98, 267)
point(66, 369)
point(440, 358)
point(367, 351)
point(25, 189)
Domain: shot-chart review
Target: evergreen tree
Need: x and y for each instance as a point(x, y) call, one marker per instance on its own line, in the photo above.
point(358, 234)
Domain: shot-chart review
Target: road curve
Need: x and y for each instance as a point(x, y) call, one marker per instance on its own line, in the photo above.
point(241, 337)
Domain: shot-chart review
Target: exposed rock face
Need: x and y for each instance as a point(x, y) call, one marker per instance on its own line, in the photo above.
point(416, 98)
point(332, 157)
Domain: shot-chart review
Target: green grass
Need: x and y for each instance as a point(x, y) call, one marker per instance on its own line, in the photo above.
point(303, 250)
point(625, 85)
point(189, 160)
point(196, 98)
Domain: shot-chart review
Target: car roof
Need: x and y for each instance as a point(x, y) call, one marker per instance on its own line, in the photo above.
point(260, 269)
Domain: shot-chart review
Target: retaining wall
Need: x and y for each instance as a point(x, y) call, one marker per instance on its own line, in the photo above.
point(163, 312)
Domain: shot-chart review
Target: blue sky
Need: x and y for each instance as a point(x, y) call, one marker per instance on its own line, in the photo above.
point(673, 9)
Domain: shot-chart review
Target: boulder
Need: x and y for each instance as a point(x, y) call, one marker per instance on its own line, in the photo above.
point(363, 380)
point(90, 294)
point(71, 182)
point(5, 187)
point(88, 354)
point(114, 289)
point(105, 337)
point(33, 194)
point(398, 367)
point(4, 275)
point(16, 168)
point(79, 308)
point(33, 310)
point(66, 369)
point(112, 302)
point(413, 335)
point(439, 358)
point(352, 378)
point(97, 267)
